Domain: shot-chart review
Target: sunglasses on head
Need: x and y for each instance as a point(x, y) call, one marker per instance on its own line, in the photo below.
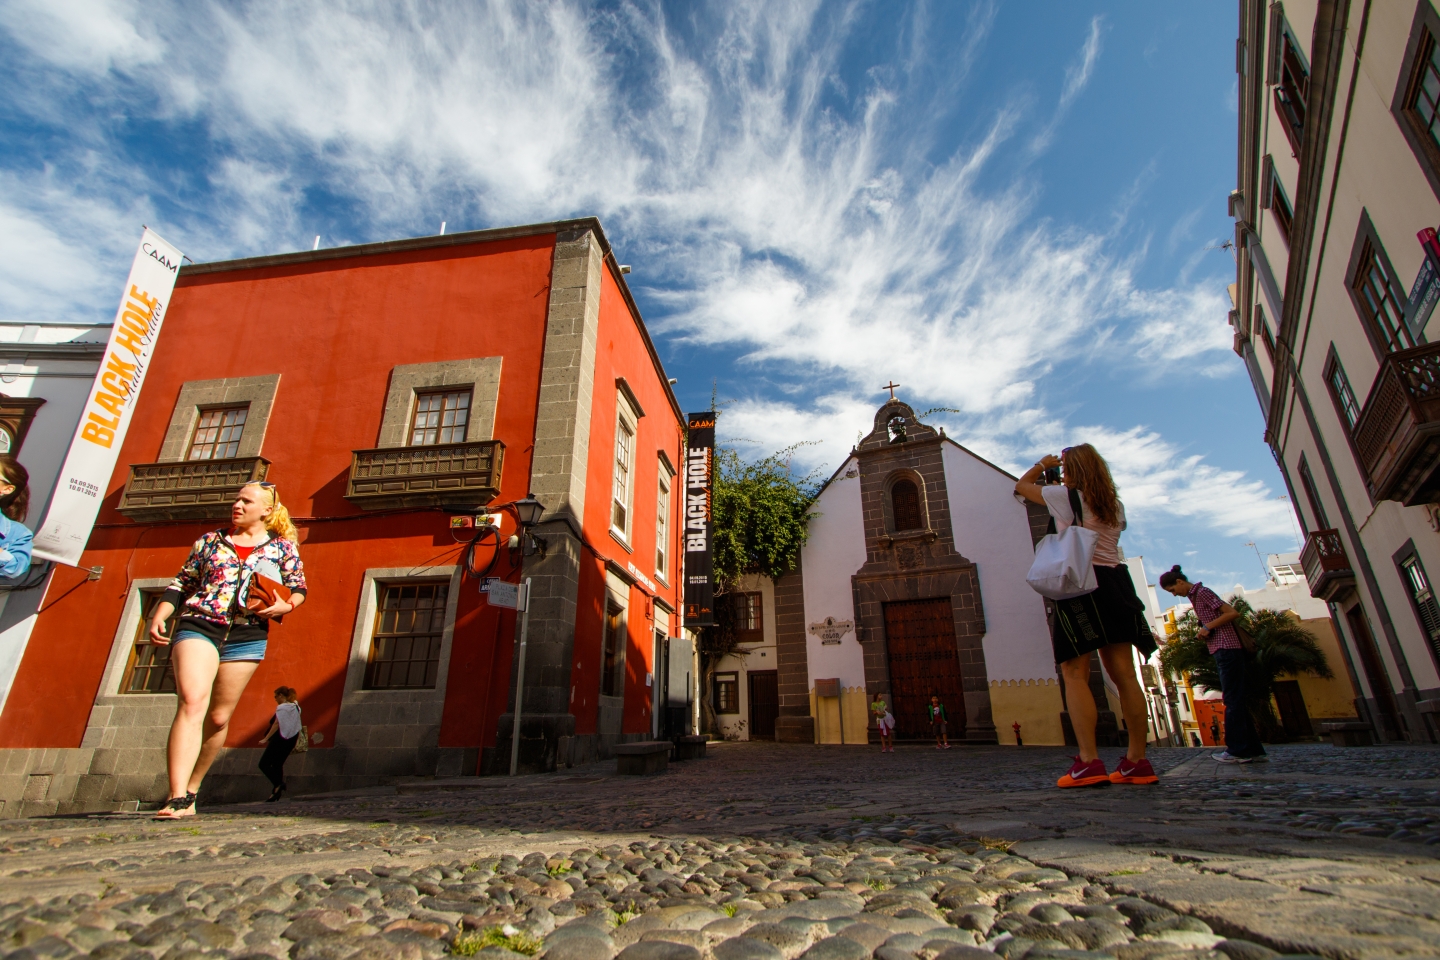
point(267, 485)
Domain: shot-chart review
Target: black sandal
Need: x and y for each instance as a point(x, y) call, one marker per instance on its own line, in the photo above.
point(176, 804)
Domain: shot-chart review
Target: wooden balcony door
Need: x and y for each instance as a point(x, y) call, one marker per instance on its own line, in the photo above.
point(1294, 717)
point(1374, 673)
point(764, 703)
point(924, 662)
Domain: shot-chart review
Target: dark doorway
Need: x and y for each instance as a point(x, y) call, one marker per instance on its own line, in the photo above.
point(764, 703)
point(1293, 715)
point(920, 643)
point(1374, 672)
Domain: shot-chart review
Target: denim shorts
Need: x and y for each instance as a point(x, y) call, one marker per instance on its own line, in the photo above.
point(242, 650)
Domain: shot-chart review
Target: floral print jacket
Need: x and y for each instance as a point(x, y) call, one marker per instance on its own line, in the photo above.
point(213, 572)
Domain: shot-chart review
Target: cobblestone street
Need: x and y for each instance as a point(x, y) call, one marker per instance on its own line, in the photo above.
point(767, 852)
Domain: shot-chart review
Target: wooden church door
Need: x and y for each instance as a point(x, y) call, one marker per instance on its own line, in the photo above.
point(920, 645)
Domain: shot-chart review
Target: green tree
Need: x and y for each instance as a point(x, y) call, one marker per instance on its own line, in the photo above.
point(761, 515)
point(1282, 646)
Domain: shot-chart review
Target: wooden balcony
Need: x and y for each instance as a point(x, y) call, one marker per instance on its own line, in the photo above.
point(188, 489)
point(1326, 567)
point(460, 475)
point(1398, 433)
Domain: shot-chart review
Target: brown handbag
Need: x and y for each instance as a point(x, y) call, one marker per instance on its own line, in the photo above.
point(1247, 642)
point(264, 592)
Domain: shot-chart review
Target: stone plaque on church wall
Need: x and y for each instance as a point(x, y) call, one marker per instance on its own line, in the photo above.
point(831, 631)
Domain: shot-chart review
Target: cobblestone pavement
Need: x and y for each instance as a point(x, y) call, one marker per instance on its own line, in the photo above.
point(766, 852)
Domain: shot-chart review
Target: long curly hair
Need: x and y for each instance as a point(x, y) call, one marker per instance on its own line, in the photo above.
point(1087, 471)
point(279, 522)
point(17, 504)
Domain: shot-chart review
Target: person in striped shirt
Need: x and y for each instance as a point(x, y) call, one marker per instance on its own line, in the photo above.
point(1217, 628)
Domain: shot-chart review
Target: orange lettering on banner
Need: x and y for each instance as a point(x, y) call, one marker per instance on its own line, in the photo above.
point(110, 402)
point(119, 367)
point(129, 338)
point(97, 434)
point(109, 424)
point(114, 384)
point(133, 318)
point(144, 298)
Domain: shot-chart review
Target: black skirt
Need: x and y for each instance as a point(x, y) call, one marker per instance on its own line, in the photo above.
point(1112, 613)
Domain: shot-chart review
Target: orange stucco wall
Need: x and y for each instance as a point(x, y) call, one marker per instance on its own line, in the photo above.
point(332, 330)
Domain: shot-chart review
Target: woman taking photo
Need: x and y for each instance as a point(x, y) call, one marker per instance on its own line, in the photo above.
point(1217, 628)
point(219, 642)
point(1110, 619)
point(15, 537)
point(279, 740)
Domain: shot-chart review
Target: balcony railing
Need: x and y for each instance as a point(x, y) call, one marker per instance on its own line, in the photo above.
point(1327, 568)
point(189, 489)
point(445, 475)
point(1398, 433)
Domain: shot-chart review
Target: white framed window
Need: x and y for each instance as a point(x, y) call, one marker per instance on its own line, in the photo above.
point(623, 493)
point(665, 478)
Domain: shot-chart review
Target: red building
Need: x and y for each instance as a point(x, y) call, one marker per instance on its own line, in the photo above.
point(383, 388)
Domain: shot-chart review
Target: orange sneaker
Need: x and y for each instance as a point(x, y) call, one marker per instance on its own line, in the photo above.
point(1138, 772)
point(1083, 774)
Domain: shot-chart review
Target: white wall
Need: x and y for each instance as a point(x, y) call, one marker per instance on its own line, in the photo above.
point(830, 557)
point(64, 384)
point(992, 529)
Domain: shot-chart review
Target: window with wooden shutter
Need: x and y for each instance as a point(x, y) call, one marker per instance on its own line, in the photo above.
point(905, 505)
point(409, 628)
point(217, 433)
point(1427, 609)
point(440, 417)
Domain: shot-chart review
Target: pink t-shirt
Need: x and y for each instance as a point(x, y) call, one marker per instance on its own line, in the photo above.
point(1107, 544)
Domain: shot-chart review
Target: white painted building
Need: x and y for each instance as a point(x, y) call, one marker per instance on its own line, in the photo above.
point(46, 371)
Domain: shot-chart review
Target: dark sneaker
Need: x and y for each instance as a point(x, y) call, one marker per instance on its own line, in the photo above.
point(1082, 774)
point(1137, 772)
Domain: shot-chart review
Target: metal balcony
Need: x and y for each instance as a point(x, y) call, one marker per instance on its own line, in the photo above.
point(188, 489)
point(448, 475)
point(1398, 433)
point(1327, 568)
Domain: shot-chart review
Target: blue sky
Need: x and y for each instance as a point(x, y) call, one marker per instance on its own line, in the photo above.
point(1008, 208)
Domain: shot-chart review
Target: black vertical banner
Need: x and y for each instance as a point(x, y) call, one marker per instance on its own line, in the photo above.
point(699, 491)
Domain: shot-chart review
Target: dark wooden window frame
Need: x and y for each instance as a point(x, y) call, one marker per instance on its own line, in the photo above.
point(752, 603)
point(1424, 34)
point(217, 444)
point(1262, 323)
point(1407, 556)
point(613, 639)
point(149, 662)
point(379, 666)
point(1368, 241)
point(1332, 367)
point(726, 683)
point(16, 415)
point(1286, 91)
point(461, 409)
point(892, 521)
point(1274, 199)
point(1312, 495)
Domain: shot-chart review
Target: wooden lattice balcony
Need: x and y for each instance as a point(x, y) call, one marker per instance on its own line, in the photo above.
point(441, 475)
point(1327, 568)
point(188, 489)
point(1398, 433)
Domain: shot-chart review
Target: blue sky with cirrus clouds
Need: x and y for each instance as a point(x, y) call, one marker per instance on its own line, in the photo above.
point(1011, 209)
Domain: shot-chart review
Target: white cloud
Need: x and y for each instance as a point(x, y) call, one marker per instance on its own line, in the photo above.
point(822, 241)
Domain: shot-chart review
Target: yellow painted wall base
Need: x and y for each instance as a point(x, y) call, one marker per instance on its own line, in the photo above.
point(1036, 704)
point(827, 711)
point(1326, 699)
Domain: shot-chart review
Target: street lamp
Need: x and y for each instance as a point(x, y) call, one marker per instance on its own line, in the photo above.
point(528, 511)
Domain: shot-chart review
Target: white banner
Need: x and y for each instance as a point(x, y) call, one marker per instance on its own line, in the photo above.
point(101, 431)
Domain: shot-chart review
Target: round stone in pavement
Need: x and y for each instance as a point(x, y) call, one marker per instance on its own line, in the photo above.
point(836, 948)
point(659, 950)
point(744, 948)
point(1051, 913)
point(581, 948)
point(962, 952)
point(1244, 950)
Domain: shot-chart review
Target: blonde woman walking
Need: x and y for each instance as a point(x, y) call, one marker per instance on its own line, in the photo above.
point(1110, 619)
point(219, 641)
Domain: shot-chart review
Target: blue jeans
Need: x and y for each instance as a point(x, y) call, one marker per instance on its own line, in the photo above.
point(1241, 740)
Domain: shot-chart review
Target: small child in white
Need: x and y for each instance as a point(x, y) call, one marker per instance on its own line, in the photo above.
point(885, 720)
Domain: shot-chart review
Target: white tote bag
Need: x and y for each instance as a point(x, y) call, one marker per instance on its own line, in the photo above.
point(1064, 564)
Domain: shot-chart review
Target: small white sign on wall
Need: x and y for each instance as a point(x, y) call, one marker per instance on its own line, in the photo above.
point(831, 631)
